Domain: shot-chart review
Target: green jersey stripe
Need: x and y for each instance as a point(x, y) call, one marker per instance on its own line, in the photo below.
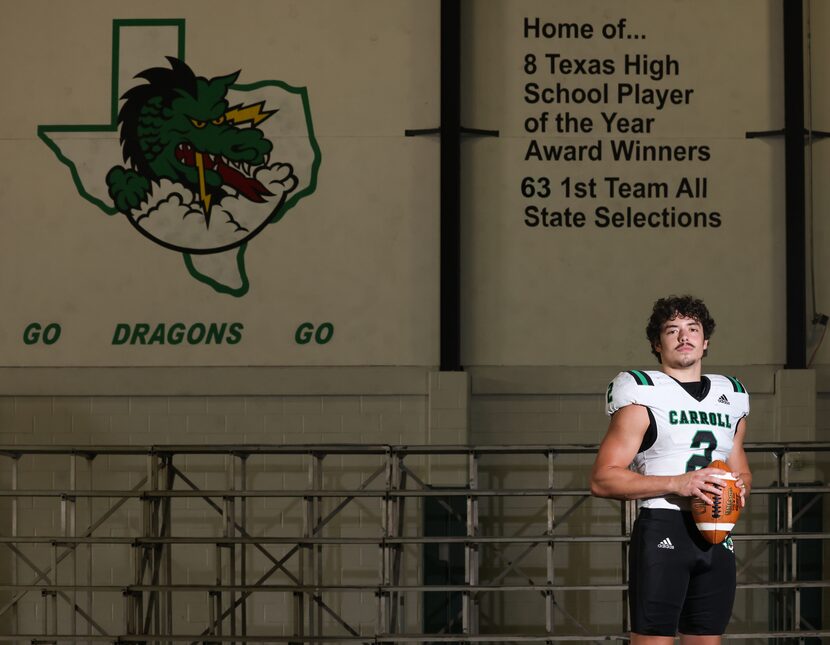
point(641, 377)
point(737, 385)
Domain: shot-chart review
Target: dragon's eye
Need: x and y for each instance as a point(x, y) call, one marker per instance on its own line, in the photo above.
point(219, 121)
point(198, 124)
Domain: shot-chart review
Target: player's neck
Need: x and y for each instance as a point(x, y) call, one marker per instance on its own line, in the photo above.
point(689, 374)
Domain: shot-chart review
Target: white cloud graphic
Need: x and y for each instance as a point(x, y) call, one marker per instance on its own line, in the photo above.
point(173, 214)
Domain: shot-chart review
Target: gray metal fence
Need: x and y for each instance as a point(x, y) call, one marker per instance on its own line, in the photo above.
point(57, 566)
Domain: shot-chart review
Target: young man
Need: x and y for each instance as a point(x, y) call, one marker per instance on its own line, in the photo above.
point(666, 427)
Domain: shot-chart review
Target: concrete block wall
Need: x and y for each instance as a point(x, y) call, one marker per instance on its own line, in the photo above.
point(88, 421)
point(155, 420)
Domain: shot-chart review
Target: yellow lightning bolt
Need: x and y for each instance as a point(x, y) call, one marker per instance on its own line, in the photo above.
point(200, 165)
point(254, 114)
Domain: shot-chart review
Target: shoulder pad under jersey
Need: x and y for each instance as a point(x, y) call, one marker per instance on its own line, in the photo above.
point(626, 389)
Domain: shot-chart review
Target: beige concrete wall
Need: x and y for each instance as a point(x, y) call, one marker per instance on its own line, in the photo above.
point(207, 421)
point(540, 294)
point(359, 252)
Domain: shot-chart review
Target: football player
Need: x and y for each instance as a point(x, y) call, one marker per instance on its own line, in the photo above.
point(666, 427)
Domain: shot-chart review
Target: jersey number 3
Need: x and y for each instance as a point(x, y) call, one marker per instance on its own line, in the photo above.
point(702, 438)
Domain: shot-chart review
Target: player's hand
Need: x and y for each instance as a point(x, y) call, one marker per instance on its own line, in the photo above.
point(742, 485)
point(701, 483)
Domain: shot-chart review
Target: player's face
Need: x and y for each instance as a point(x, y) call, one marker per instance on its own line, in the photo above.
point(681, 342)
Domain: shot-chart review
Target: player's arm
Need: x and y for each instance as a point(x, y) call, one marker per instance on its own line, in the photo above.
point(610, 476)
point(738, 462)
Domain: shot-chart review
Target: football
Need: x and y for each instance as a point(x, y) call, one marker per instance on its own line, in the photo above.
point(717, 520)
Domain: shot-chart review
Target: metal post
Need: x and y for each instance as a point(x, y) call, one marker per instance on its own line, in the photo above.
point(90, 514)
point(146, 554)
point(230, 531)
point(384, 613)
point(398, 620)
point(308, 550)
point(53, 597)
point(217, 594)
point(450, 182)
point(549, 599)
point(795, 617)
point(70, 532)
point(317, 508)
point(45, 604)
point(132, 616)
point(128, 610)
point(243, 523)
point(243, 519)
point(212, 617)
point(780, 548)
point(476, 548)
point(795, 216)
point(299, 597)
point(391, 550)
point(169, 476)
point(629, 515)
point(468, 601)
point(153, 597)
point(15, 525)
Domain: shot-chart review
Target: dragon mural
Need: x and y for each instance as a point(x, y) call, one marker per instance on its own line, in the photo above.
point(197, 165)
point(181, 127)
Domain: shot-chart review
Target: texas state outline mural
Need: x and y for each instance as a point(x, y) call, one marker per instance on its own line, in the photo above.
point(199, 165)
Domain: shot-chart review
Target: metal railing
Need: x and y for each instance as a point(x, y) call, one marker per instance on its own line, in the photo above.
point(60, 564)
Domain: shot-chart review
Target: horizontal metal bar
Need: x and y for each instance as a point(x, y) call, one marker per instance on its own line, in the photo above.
point(323, 588)
point(377, 588)
point(379, 493)
point(299, 493)
point(303, 541)
point(375, 541)
point(294, 449)
point(37, 639)
point(361, 449)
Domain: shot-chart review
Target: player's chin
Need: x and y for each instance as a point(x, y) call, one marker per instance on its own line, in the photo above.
point(683, 360)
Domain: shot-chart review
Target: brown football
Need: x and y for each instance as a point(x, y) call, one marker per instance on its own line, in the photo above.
point(716, 521)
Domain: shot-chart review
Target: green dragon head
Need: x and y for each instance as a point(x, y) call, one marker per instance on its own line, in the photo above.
point(181, 127)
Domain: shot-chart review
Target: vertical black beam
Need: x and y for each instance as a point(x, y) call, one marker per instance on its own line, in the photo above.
point(450, 185)
point(794, 186)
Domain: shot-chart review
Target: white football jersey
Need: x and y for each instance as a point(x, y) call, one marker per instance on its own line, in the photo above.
point(684, 434)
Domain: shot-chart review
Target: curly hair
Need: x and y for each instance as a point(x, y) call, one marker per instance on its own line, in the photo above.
point(669, 308)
